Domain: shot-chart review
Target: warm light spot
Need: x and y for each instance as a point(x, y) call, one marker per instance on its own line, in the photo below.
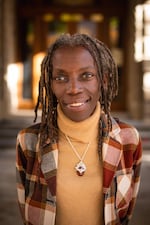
point(146, 86)
point(14, 73)
point(142, 32)
point(139, 33)
point(48, 17)
point(66, 17)
point(77, 17)
point(146, 81)
point(37, 59)
point(97, 17)
point(147, 48)
point(146, 8)
point(139, 49)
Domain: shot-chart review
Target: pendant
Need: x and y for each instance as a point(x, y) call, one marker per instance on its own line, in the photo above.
point(80, 168)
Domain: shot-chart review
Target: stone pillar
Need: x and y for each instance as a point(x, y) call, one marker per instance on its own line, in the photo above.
point(134, 73)
point(7, 51)
point(1, 60)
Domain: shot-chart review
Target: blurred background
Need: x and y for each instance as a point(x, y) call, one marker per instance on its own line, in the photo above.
point(27, 28)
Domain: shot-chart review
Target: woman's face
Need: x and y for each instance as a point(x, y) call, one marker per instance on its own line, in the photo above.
point(75, 82)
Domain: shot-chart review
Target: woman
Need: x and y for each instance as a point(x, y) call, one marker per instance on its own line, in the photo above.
point(79, 166)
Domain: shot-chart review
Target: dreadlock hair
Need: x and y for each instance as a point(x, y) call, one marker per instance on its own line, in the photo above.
point(107, 71)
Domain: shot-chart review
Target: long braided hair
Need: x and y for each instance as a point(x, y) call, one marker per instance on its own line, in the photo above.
point(108, 90)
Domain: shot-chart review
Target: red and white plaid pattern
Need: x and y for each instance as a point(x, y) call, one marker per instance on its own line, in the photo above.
point(37, 170)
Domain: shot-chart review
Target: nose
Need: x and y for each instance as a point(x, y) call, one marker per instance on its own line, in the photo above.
point(74, 86)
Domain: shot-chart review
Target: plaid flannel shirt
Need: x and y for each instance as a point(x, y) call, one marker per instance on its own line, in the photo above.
point(37, 171)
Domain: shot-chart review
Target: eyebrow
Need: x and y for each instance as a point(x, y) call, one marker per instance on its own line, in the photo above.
point(80, 70)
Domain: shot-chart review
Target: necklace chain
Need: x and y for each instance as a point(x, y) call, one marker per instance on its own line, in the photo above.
point(80, 167)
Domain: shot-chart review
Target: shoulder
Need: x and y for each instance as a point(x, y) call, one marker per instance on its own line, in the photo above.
point(127, 132)
point(31, 129)
point(27, 138)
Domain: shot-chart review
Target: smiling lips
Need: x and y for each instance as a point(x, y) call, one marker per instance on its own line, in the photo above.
point(77, 104)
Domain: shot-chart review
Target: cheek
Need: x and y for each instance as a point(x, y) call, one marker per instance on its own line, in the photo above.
point(57, 90)
point(54, 89)
point(96, 91)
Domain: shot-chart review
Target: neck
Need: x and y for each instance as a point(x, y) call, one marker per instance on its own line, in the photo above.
point(80, 131)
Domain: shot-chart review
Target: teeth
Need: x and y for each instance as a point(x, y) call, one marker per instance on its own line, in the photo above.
point(76, 104)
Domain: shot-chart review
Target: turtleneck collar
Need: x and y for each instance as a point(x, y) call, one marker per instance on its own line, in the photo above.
point(80, 131)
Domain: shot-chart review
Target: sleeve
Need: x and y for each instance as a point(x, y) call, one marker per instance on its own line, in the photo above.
point(20, 176)
point(137, 159)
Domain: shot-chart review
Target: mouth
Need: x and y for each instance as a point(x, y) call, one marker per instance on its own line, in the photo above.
point(77, 104)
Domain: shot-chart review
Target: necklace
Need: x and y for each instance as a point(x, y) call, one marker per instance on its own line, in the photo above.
point(80, 166)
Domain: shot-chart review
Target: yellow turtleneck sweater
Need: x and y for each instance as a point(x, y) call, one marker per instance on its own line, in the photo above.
point(79, 198)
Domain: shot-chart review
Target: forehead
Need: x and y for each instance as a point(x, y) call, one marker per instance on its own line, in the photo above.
point(72, 54)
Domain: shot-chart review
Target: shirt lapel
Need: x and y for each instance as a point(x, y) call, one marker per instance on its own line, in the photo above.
point(49, 161)
point(112, 151)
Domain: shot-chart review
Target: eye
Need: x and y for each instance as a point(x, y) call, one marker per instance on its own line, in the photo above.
point(60, 78)
point(87, 76)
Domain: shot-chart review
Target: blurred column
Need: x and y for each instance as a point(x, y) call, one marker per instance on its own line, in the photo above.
point(7, 51)
point(134, 72)
point(1, 58)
